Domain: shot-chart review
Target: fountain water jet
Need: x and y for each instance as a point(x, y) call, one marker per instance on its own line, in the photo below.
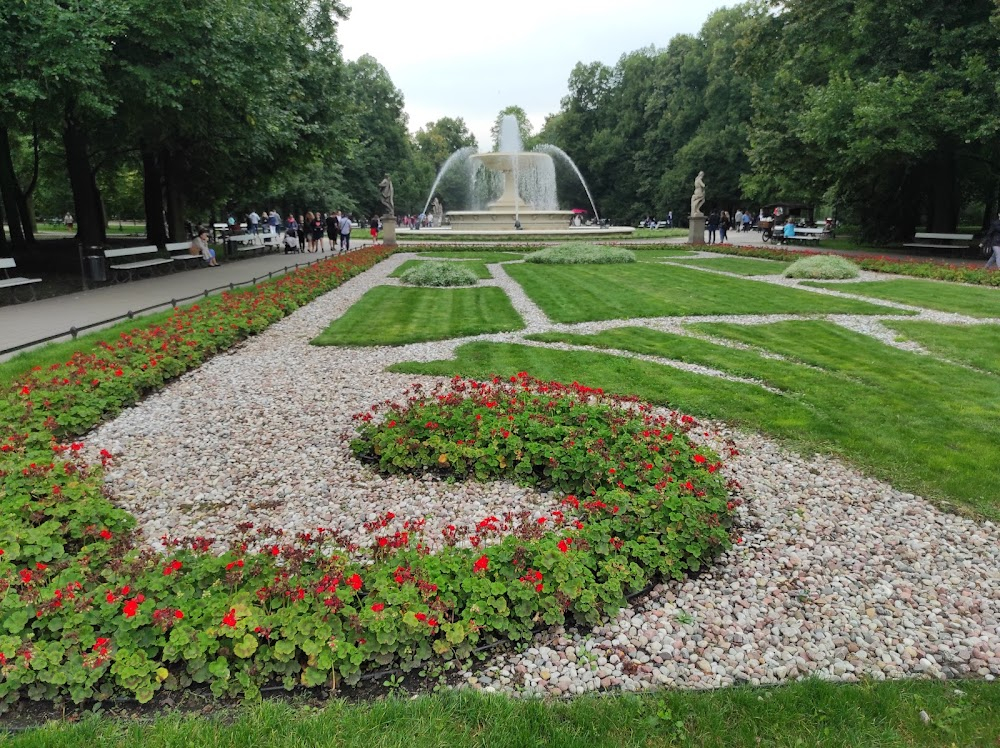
point(526, 182)
point(459, 155)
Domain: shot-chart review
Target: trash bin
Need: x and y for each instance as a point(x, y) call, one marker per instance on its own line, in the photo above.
point(95, 268)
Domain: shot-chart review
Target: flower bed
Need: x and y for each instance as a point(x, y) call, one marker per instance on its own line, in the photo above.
point(86, 612)
point(875, 263)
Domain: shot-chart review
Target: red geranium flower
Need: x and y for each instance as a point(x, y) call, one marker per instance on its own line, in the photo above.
point(230, 618)
point(355, 582)
point(131, 608)
point(378, 607)
point(106, 534)
point(481, 564)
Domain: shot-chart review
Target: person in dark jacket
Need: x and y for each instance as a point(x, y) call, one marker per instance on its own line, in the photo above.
point(992, 242)
point(712, 225)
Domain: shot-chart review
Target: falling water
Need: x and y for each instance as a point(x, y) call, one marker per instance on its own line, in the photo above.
point(554, 149)
point(459, 155)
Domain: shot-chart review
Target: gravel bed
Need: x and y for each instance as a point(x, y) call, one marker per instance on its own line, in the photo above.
point(839, 575)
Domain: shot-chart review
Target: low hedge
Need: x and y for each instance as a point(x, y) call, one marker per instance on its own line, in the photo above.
point(579, 253)
point(826, 267)
point(87, 612)
point(439, 275)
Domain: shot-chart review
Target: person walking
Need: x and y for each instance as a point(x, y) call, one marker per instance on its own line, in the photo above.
point(724, 225)
point(316, 232)
point(345, 233)
point(992, 242)
point(373, 228)
point(333, 228)
point(253, 222)
point(712, 225)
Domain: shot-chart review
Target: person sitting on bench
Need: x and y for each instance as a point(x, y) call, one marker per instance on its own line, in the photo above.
point(200, 247)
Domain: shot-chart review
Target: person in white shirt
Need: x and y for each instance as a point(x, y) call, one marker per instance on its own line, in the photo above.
point(345, 233)
point(254, 220)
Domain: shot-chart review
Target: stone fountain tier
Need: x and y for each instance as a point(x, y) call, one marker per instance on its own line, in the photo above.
point(511, 206)
point(494, 220)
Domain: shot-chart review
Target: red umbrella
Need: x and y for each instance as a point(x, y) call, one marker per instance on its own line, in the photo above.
point(579, 210)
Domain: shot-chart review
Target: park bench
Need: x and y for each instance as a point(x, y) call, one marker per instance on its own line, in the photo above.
point(246, 243)
point(180, 252)
point(928, 242)
point(6, 263)
point(271, 242)
point(801, 235)
point(151, 259)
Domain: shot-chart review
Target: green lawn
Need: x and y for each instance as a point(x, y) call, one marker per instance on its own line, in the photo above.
point(810, 713)
point(485, 257)
point(584, 293)
point(975, 345)
point(476, 267)
point(739, 265)
point(390, 315)
point(911, 420)
point(974, 301)
point(657, 253)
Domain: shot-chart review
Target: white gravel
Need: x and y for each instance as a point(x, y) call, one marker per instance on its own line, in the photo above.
point(839, 575)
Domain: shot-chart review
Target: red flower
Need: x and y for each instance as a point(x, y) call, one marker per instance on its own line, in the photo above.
point(699, 459)
point(26, 575)
point(481, 564)
point(40, 566)
point(378, 607)
point(275, 550)
point(118, 372)
point(420, 616)
point(540, 520)
point(564, 544)
point(178, 615)
point(131, 608)
point(110, 597)
point(432, 622)
point(355, 582)
point(106, 534)
point(176, 565)
point(25, 390)
point(383, 542)
point(230, 618)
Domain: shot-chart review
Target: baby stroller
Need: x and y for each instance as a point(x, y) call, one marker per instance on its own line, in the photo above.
point(292, 240)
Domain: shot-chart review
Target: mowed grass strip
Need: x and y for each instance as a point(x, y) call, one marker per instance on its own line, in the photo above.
point(658, 253)
point(585, 293)
point(484, 257)
point(974, 301)
point(975, 345)
point(809, 713)
point(900, 416)
point(476, 267)
point(738, 265)
point(390, 315)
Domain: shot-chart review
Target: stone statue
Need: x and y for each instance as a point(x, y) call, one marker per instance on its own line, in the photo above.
point(388, 196)
point(698, 198)
point(438, 210)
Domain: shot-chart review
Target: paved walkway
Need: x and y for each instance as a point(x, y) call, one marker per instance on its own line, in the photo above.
point(23, 323)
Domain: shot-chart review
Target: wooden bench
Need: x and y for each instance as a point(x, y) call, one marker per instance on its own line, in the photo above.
point(151, 255)
point(6, 263)
point(246, 242)
point(927, 242)
point(272, 242)
point(181, 252)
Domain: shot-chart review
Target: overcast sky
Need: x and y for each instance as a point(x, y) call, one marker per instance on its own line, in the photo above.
point(470, 59)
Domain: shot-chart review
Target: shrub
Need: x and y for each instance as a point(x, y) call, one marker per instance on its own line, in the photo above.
point(439, 274)
point(826, 267)
point(574, 253)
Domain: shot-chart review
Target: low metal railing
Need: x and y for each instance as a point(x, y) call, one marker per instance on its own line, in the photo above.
point(73, 332)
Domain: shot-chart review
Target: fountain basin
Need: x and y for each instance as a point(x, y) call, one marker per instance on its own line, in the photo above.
point(502, 219)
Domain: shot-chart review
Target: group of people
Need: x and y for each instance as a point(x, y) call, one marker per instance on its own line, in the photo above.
point(718, 224)
point(650, 222)
point(307, 233)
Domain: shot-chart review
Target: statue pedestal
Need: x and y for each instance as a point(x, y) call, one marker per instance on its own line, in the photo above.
point(389, 231)
point(696, 230)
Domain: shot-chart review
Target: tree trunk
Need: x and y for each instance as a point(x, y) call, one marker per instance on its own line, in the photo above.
point(173, 178)
point(152, 194)
point(86, 203)
point(9, 190)
point(990, 206)
point(944, 197)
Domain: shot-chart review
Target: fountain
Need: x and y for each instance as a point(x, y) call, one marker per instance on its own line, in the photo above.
point(527, 182)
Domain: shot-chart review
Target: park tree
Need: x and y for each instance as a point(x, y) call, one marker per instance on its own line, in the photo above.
point(433, 145)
